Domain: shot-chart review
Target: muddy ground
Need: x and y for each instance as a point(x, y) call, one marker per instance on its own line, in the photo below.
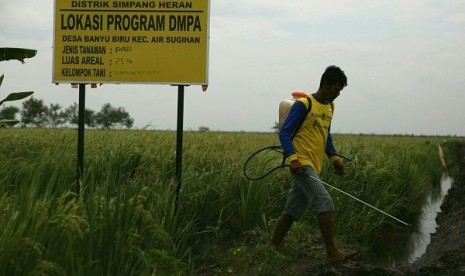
point(445, 255)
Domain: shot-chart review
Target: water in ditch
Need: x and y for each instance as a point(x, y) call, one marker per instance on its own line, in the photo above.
point(427, 225)
point(402, 245)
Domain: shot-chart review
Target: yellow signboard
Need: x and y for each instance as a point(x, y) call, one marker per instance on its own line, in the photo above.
point(119, 41)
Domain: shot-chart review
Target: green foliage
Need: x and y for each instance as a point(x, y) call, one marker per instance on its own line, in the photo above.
point(34, 113)
point(275, 127)
point(9, 112)
point(18, 54)
point(55, 116)
point(251, 199)
point(16, 96)
point(204, 129)
point(124, 223)
point(262, 259)
point(71, 115)
point(109, 117)
point(392, 174)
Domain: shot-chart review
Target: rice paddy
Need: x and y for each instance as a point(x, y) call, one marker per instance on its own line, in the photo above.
point(123, 220)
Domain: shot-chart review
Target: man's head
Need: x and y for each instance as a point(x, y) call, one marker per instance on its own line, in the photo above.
point(333, 81)
point(333, 75)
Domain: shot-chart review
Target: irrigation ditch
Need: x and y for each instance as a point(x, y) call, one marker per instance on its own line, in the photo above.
point(437, 247)
point(446, 252)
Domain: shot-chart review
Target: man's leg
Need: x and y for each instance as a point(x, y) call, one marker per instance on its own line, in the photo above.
point(296, 204)
point(325, 221)
point(283, 224)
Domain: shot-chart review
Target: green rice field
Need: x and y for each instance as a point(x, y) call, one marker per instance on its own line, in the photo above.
point(121, 218)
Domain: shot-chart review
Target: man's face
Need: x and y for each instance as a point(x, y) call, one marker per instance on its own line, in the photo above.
point(334, 90)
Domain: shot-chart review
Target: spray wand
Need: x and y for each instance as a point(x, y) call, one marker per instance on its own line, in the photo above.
point(279, 149)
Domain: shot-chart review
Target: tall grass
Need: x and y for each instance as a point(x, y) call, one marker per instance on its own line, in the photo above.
point(393, 174)
point(123, 221)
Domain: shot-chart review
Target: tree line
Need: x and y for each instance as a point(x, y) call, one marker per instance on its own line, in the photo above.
point(35, 113)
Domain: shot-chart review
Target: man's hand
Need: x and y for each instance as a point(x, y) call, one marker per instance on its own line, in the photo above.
point(297, 168)
point(339, 167)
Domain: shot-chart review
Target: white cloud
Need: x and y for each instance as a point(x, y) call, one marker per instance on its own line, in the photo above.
point(403, 59)
point(456, 18)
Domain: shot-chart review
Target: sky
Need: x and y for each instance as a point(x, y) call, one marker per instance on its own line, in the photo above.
point(404, 60)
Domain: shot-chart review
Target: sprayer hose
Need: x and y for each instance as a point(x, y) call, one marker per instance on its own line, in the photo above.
point(275, 148)
point(283, 163)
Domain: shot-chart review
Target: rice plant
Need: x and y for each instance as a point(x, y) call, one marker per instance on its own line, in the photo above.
point(123, 220)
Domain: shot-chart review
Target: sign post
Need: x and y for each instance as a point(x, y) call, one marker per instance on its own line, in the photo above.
point(80, 144)
point(150, 42)
point(179, 140)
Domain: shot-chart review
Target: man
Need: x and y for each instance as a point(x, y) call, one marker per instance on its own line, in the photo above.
point(305, 151)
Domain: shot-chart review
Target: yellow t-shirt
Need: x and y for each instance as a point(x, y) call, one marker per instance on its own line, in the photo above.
point(310, 141)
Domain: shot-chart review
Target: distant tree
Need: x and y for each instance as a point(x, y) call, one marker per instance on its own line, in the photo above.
point(204, 129)
point(8, 116)
point(110, 117)
point(34, 113)
point(55, 116)
point(9, 112)
point(89, 118)
point(71, 115)
point(276, 127)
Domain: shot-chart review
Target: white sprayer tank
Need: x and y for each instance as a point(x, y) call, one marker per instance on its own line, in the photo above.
point(285, 106)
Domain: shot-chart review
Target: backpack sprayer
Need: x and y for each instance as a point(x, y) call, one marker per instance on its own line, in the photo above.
point(284, 108)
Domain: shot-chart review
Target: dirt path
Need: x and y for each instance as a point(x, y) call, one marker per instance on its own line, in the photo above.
point(446, 253)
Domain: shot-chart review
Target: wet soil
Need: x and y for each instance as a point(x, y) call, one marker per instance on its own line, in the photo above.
point(445, 255)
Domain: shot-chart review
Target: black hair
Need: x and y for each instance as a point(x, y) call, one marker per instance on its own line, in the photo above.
point(333, 75)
